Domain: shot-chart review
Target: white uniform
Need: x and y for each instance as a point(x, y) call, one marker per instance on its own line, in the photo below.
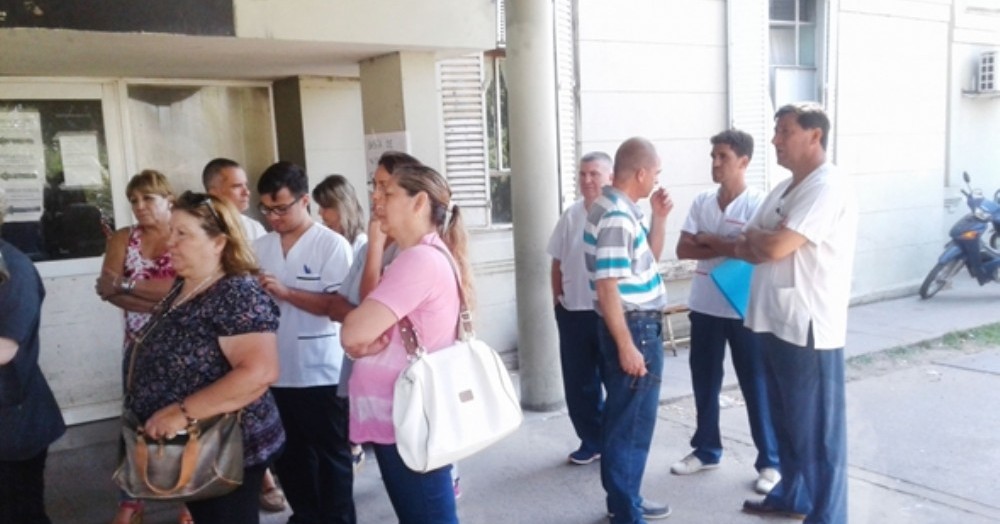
point(309, 349)
point(251, 228)
point(566, 246)
point(812, 286)
point(706, 217)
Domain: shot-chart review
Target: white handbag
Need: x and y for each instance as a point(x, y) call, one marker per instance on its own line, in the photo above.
point(454, 402)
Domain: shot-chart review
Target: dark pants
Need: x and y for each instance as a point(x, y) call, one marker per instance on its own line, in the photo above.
point(709, 335)
point(806, 393)
point(629, 414)
point(316, 469)
point(417, 498)
point(581, 372)
point(242, 505)
point(22, 491)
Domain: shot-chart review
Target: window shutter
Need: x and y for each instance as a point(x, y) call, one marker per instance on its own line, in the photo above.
point(463, 119)
point(566, 100)
point(749, 97)
point(501, 24)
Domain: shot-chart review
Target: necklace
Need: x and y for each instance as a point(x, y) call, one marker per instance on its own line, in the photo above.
point(197, 289)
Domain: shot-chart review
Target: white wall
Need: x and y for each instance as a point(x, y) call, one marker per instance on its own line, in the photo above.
point(890, 126)
point(332, 130)
point(420, 25)
point(655, 69)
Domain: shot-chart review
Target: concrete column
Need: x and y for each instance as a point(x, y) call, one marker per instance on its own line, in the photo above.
point(531, 91)
point(399, 93)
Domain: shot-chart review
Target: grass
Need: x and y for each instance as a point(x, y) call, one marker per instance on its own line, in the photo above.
point(967, 341)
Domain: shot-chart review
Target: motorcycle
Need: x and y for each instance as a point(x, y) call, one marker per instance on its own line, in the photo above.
point(968, 247)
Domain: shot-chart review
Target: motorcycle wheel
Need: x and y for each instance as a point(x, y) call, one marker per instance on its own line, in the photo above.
point(939, 276)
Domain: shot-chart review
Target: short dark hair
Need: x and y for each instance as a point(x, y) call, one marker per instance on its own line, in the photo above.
point(214, 168)
point(809, 115)
point(390, 160)
point(741, 142)
point(283, 174)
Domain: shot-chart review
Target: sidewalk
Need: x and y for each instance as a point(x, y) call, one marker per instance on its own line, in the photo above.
point(900, 472)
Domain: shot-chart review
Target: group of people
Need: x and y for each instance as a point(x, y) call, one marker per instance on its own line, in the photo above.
point(787, 351)
point(294, 329)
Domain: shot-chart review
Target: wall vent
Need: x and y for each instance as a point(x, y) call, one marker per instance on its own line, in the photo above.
point(987, 76)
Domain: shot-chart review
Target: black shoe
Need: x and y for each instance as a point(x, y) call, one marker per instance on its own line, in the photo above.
point(762, 508)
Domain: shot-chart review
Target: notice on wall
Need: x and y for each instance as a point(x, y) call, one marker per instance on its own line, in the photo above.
point(22, 164)
point(80, 161)
point(378, 143)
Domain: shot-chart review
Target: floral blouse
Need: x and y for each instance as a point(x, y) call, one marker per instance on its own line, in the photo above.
point(139, 268)
point(180, 354)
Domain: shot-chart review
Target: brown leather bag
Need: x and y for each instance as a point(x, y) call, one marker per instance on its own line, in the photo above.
point(205, 462)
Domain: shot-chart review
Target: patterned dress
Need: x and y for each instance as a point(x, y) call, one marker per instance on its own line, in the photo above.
point(180, 355)
point(139, 268)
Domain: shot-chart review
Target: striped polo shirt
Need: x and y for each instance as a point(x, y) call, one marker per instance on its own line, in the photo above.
point(615, 246)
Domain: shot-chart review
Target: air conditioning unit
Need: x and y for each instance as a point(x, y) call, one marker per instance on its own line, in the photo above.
point(987, 81)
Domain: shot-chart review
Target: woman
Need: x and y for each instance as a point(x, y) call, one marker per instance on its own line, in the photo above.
point(137, 273)
point(413, 206)
point(340, 210)
point(211, 349)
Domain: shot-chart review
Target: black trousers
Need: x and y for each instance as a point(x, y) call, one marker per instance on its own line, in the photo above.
point(241, 505)
point(22, 491)
point(316, 469)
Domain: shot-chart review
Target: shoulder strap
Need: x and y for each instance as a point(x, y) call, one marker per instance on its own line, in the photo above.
point(411, 339)
point(159, 311)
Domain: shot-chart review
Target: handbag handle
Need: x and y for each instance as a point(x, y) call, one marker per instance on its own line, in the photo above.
point(189, 460)
point(411, 340)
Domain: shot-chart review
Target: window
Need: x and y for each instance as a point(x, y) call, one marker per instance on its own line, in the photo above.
point(497, 139)
point(794, 43)
point(54, 170)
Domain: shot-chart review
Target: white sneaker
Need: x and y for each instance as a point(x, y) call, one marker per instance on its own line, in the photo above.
point(766, 480)
point(690, 464)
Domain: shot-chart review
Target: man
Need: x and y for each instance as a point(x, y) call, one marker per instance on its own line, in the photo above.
point(225, 179)
point(716, 218)
point(575, 316)
point(802, 240)
point(621, 256)
point(29, 415)
point(302, 263)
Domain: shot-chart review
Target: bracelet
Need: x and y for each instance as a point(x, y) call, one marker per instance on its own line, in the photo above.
point(127, 286)
point(191, 421)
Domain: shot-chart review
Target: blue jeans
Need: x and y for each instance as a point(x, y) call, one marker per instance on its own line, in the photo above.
point(709, 335)
point(806, 394)
point(417, 498)
point(581, 372)
point(629, 414)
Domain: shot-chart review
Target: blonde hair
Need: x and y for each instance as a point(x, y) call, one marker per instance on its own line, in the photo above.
point(219, 217)
point(149, 182)
point(336, 193)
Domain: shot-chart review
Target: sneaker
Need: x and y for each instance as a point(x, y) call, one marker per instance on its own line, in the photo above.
point(763, 508)
point(651, 510)
point(690, 464)
point(357, 457)
point(582, 456)
point(766, 480)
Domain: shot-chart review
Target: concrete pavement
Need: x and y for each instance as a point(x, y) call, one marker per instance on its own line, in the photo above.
point(923, 443)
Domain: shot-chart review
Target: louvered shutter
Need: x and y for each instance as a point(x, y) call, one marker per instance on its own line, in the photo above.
point(749, 98)
point(566, 100)
point(460, 82)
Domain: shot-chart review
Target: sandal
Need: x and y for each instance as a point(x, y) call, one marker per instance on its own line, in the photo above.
point(185, 516)
point(129, 512)
point(272, 499)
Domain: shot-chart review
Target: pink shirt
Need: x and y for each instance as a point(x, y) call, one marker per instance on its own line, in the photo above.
point(420, 284)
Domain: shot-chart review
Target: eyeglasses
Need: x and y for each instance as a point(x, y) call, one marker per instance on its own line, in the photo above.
point(191, 200)
point(278, 210)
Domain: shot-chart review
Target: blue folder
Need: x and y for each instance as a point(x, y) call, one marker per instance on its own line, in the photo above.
point(732, 277)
